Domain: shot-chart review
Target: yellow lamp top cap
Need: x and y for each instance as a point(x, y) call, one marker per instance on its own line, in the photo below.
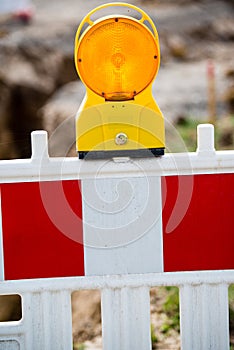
point(117, 57)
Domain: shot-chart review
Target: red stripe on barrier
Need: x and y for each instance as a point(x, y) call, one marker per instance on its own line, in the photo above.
point(201, 236)
point(42, 229)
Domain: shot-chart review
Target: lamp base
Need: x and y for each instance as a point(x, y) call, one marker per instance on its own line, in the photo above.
point(133, 153)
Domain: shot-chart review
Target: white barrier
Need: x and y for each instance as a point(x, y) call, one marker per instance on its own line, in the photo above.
point(46, 322)
point(46, 303)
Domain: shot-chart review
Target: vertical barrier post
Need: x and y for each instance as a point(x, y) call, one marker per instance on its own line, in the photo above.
point(205, 139)
point(48, 320)
point(204, 317)
point(126, 319)
point(39, 144)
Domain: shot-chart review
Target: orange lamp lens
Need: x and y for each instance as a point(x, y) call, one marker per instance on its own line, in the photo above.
point(117, 58)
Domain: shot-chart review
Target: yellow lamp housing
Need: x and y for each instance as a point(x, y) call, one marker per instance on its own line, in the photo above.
point(117, 57)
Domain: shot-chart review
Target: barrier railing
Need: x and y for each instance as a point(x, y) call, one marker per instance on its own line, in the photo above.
point(125, 244)
point(46, 322)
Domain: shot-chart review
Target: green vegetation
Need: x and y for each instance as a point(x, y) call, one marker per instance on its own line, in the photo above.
point(154, 338)
point(165, 327)
point(171, 321)
point(224, 132)
point(171, 309)
point(79, 347)
point(187, 128)
point(231, 315)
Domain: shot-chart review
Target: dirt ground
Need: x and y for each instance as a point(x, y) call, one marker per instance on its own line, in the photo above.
point(191, 32)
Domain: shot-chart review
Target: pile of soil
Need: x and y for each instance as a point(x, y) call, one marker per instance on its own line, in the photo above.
point(37, 68)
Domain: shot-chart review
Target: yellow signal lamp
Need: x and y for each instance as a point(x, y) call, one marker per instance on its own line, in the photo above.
point(117, 57)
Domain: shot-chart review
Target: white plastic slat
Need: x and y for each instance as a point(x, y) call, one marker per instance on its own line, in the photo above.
point(204, 317)
point(9, 345)
point(126, 319)
point(47, 319)
point(12, 329)
point(12, 335)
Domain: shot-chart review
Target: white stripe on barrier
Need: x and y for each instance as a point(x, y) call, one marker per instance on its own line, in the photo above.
point(122, 225)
